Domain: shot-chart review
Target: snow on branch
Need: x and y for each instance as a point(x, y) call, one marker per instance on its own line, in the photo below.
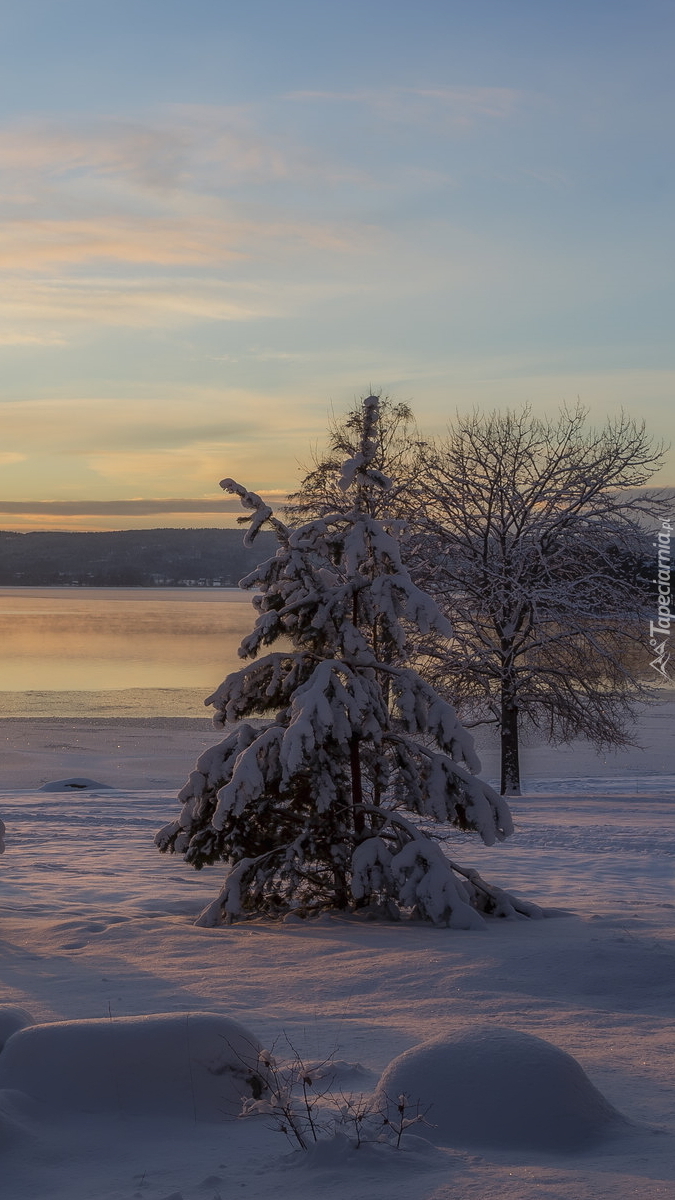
point(359, 469)
point(261, 515)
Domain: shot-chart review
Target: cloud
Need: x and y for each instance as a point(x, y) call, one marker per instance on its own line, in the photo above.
point(164, 150)
point(120, 425)
point(90, 209)
point(31, 244)
point(200, 463)
point(78, 450)
point(17, 337)
point(8, 457)
point(135, 303)
point(461, 107)
point(178, 433)
point(49, 149)
point(73, 251)
point(115, 203)
point(169, 152)
point(49, 311)
point(142, 224)
point(134, 508)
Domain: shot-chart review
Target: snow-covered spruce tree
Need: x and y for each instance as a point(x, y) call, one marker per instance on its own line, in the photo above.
point(306, 807)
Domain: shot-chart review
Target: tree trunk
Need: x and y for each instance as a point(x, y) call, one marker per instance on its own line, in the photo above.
point(340, 890)
point(354, 756)
point(357, 784)
point(510, 785)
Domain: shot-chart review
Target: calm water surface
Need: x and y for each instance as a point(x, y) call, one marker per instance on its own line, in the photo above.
point(93, 644)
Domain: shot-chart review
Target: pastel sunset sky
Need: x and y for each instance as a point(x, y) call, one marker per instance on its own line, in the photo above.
point(222, 219)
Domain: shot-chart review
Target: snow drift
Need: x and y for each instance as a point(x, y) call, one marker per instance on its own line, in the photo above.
point(501, 1088)
point(197, 1066)
point(75, 783)
point(12, 1018)
point(16, 1125)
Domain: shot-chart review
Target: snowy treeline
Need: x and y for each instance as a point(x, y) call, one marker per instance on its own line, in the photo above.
point(306, 805)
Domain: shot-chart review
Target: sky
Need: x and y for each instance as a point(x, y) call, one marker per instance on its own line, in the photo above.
point(223, 220)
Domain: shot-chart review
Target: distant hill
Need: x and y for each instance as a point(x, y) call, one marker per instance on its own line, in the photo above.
point(130, 558)
point(165, 558)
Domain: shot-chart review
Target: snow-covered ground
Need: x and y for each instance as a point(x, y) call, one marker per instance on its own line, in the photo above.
point(96, 924)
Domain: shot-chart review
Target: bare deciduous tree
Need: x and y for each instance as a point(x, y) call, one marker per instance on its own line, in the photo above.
point(531, 530)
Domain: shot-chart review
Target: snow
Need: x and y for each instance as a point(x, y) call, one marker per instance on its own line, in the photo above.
point(191, 1065)
point(119, 752)
point(74, 783)
point(500, 1087)
point(96, 927)
point(11, 1019)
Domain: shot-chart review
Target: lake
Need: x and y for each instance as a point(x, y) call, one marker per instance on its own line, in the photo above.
point(117, 651)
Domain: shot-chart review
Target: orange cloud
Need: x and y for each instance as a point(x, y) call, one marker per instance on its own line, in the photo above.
point(80, 201)
point(185, 434)
point(30, 244)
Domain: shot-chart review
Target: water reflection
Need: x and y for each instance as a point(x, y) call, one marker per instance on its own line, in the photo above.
point(97, 639)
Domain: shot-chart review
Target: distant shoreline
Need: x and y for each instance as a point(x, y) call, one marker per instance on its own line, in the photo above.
point(158, 559)
point(116, 704)
point(90, 722)
point(77, 588)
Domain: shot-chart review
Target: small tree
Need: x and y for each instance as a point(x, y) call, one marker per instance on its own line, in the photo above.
point(532, 533)
point(397, 453)
point(306, 806)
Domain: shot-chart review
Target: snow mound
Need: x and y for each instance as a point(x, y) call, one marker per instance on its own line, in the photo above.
point(195, 1066)
point(75, 783)
point(500, 1088)
point(11, 1019)
point(14, 1119)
